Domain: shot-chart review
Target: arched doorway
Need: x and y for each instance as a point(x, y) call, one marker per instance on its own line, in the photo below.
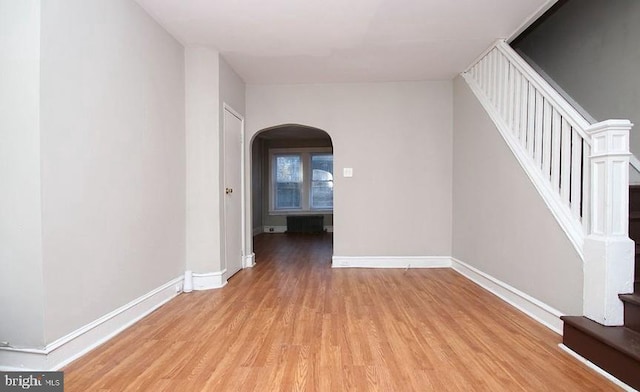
point(291, 187)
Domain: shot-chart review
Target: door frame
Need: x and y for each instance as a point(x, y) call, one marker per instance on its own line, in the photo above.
point(232, 111)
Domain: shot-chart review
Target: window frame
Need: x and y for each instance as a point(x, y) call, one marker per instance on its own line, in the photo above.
point(305, 197)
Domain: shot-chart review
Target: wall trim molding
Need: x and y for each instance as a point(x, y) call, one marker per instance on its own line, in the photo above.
point(209, 280)
point(283, 229)
point(537, 310)
point(70, 347)
point(248, 261)
point(391, 262)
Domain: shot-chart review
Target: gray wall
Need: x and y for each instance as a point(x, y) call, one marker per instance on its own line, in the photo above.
point(113, 158)
point(203, 169)
point(590, 49)
point(397, 138)
point(21, 279)
point(501, 225)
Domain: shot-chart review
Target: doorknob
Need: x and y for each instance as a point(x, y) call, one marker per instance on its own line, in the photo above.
point(228, 190)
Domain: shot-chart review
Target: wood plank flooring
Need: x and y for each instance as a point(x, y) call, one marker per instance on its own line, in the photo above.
point(292, 323)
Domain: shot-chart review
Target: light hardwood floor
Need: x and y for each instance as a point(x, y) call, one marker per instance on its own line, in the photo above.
point(292, 323)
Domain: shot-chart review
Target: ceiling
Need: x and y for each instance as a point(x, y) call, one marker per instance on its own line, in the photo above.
point(319, 41)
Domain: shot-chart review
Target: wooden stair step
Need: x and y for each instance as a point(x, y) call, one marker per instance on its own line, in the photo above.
point(614, 349)
point(630, 298)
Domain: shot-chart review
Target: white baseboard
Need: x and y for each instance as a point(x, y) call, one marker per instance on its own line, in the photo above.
point(209, 280)
point(390, 262)
point(274, 229)
point(249, 261)
point(283, 229)
point(72, 346)
point(597, 369)
point(539, 311)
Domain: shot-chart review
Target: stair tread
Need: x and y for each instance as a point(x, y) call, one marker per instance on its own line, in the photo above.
point(622, 339)
point(630, 298)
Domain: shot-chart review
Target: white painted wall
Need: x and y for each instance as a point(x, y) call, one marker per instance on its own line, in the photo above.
point(397, 138)
point(501, 225)
point(232, 88)
point(203, 160)
point(113, 158)
point(21, 288)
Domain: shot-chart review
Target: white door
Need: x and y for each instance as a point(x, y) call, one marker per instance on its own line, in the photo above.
point(232, 192)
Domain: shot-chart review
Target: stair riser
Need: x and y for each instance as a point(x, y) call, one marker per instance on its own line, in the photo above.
point(634, 198)
point(632, 316)
point(619, 365)
point(637, 274)
point(634, 229)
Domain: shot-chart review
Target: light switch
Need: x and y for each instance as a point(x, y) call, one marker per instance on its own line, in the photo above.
point(347, 172)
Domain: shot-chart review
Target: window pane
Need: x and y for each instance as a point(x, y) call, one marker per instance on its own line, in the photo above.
point(288, 195)
point(288, 181)
point(288, 168)
point(322, 181)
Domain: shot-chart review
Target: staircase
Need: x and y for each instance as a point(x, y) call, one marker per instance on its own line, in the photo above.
point(614, 349)
point(580, 170)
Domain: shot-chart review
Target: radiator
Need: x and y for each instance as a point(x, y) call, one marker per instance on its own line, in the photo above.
point(305, 224)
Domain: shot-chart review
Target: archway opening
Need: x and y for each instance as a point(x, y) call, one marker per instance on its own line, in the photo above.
point(292, 186)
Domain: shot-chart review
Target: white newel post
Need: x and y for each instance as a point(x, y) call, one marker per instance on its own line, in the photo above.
point(608, 251)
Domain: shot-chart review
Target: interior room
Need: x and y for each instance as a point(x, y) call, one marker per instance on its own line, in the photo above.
point(320, 195)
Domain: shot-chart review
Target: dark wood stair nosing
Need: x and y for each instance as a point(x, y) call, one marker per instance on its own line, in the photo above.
point(630, 298)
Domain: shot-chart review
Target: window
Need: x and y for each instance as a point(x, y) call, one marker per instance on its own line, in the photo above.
point(302, 180)
point(321, 181)
point(288, 182)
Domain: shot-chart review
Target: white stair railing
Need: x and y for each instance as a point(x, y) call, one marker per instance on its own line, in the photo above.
point(580, 169)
